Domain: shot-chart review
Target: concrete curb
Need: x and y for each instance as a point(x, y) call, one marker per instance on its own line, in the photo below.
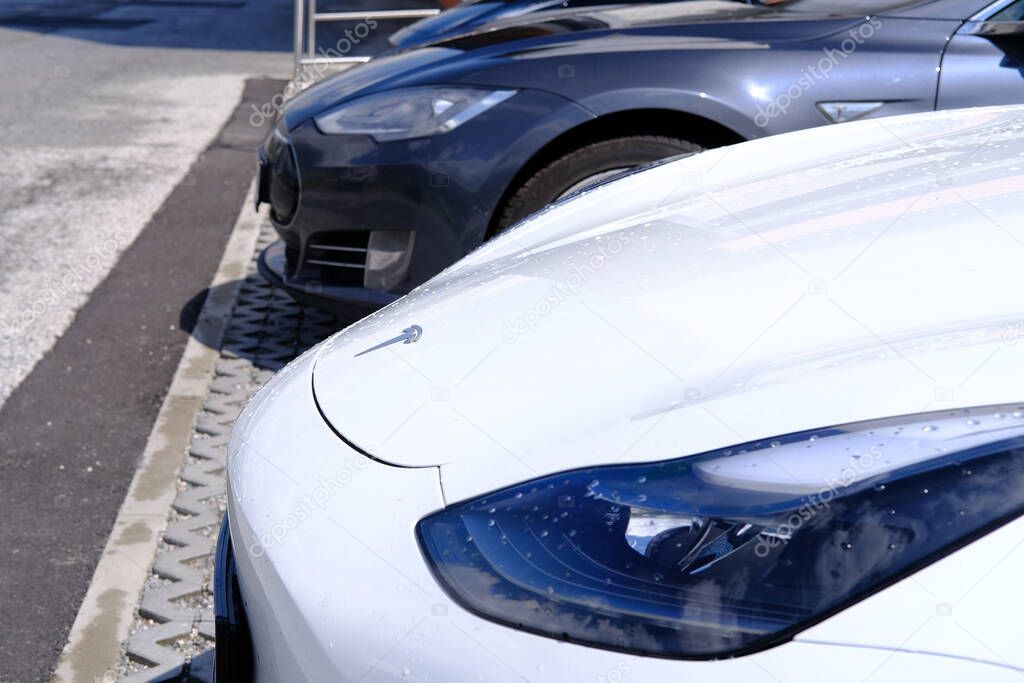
point(94, 648)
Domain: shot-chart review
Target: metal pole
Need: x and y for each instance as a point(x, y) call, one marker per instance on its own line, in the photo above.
point(298, 36)
point(311, 32)
point(305, 27)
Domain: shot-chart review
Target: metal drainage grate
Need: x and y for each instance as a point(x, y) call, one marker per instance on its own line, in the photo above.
point(172, 637)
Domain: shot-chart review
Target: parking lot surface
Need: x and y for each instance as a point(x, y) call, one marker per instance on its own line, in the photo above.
point(130, 131)
point(72, 432)
point(107, 106)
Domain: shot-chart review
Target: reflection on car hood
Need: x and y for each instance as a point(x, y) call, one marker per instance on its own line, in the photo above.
point(725, 18)
point(462, 19)
point(467, 16)
point(815, 278)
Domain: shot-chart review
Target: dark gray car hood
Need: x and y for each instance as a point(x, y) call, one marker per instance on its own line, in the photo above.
point(686, 25)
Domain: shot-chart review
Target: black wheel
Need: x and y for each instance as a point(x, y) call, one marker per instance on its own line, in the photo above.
point(584, 167)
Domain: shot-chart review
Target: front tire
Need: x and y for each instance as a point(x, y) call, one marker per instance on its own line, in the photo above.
point(586, 166)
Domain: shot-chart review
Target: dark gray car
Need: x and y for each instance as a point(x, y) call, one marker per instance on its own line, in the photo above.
point(380, 177)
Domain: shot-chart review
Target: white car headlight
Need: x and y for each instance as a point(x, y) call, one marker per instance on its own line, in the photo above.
point(735, 550)
point(410, 113)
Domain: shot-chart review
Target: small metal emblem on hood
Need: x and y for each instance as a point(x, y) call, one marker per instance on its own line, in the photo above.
point(408, 336)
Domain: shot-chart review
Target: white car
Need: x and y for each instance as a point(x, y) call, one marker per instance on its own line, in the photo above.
point(752, 415)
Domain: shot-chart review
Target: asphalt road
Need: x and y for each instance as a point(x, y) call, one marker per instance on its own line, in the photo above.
point(112, 221)
point(73, 430)
point(128, 145)
point(106, 104)
point(105, 107)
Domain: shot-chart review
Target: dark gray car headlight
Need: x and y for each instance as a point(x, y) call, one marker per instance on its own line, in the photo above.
point(734, 550)
point(410, 112)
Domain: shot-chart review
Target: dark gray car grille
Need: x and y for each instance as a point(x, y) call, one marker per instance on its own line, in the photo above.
point(340, 257)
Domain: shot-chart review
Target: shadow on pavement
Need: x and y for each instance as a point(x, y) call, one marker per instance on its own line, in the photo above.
point(268, 328)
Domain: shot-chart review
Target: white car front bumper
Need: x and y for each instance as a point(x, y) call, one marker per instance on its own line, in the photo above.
point(335, 588)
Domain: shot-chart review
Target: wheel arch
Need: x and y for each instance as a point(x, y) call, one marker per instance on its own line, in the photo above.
point(643, 121)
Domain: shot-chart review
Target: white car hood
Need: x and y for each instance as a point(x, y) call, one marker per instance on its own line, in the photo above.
point(837, 274)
